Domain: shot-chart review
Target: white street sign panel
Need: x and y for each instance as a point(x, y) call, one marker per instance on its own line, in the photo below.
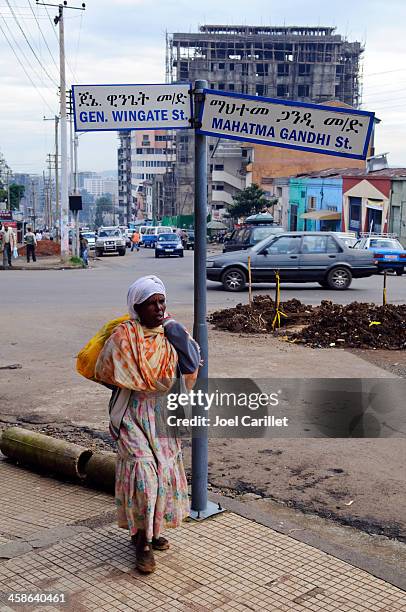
point(280, 123)
point(131, 107)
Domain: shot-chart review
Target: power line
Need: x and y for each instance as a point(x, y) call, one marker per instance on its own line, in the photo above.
point(42, 34)
point(29, 44)
point(17, 44)
point(23, 67)
point(56, 36)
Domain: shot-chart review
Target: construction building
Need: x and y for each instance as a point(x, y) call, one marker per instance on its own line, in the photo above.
point(309, 64)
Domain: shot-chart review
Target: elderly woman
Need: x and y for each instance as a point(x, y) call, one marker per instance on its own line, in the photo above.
point(141, 360)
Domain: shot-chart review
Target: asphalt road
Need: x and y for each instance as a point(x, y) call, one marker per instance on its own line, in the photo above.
point(108, 281)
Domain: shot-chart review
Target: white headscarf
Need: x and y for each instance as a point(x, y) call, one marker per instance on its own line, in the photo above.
point(141, 290)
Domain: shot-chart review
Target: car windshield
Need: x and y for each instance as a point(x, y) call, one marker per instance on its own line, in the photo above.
point(108, 233)
point(168, 238)
point(88, 234)
point(382, 243)
point(260, 233)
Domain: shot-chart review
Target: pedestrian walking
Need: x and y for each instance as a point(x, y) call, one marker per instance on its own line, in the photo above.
point(140, 361)
point(135, 241)
point(8, 243)
point(30, 245)
point(84, 250)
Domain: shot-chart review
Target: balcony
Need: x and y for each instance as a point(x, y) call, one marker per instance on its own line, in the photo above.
point(223, 197)
point(221, 176)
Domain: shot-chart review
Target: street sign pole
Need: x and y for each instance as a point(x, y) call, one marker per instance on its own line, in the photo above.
point(200, 506)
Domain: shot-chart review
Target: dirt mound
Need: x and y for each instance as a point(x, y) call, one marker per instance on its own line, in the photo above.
point(356, 325)
point(44, 248)
point(259, 317)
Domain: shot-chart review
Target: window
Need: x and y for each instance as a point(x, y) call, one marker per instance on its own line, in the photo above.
point(231, 66)
point(231, 87)
point(260, 90)
point(303, 91)
point(332, 246)
point(283, 69)
point(311, 202)
point(219, 166)
point(221, 85)
point(282, 91)
point(314, 244)
point(222, 66)
point(285, 245)
point(304, 69)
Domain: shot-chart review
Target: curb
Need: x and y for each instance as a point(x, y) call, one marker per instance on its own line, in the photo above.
point(370, 564)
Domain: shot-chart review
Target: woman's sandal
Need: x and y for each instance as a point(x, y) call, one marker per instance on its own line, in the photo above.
point(160, 543)
point(145, 562)
point(157, 543)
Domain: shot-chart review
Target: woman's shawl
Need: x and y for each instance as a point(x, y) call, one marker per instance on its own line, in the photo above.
point(137, 359)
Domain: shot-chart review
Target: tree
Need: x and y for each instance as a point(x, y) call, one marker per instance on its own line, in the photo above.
point(104, 205)
point(16, 193)
point(248, 202)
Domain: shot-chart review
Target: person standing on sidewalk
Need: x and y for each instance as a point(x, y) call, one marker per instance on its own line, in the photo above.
point(7, 243)
point(140, 362)
point(84, 250)
point(135, 241)
point(30, 243)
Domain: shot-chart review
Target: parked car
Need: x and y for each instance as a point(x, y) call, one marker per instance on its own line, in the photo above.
point(300, 257)
point(388, 253)
point(167, 245)
point(91, 239)
point(151, 234)
point(110, 240)
point(249, 235)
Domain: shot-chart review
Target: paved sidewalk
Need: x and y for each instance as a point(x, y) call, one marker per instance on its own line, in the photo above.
point(61, 538)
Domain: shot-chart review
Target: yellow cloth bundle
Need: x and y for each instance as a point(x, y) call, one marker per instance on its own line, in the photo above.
point(87, 358)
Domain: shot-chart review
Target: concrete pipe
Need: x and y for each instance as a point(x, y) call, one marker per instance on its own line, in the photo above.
point(101, 470)
point(37, 450)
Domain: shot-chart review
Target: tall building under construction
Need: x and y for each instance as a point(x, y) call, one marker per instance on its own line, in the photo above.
point(309, 64)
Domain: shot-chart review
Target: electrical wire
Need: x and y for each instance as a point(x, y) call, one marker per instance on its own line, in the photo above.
point(22, 52)
point(23, 67)
point(42, 34)
point(29, 44)
point(56, 36)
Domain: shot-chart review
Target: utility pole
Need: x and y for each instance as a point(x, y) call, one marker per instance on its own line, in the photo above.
point(56, 216)
point(34, 195)
point(59, 20)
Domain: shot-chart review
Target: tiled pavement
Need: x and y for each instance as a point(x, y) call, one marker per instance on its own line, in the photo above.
point(223, 563)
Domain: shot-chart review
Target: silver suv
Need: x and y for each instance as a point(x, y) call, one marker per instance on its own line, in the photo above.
point(110, 240)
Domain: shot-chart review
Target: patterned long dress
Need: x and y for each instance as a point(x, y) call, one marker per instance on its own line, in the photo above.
point(151, 485)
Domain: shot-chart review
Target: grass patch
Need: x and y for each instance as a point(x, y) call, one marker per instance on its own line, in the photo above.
point(76, 261)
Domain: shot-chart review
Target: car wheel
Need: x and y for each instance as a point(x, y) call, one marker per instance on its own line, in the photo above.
point(181, 254)
point(99, 253)
point(157, 255)
point(234, 279)
point(339, 278)
point(122, 252)
point(399, 272)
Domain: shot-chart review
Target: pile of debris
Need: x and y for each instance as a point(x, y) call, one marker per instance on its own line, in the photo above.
point(259, 317)
point(45, 248)
point(356, 325)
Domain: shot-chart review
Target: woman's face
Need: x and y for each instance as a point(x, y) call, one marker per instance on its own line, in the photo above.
point(152, 311)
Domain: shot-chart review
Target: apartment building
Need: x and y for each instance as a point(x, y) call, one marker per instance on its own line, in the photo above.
point(311, 64)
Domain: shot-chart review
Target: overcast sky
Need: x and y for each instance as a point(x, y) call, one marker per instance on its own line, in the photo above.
point(123, 41)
